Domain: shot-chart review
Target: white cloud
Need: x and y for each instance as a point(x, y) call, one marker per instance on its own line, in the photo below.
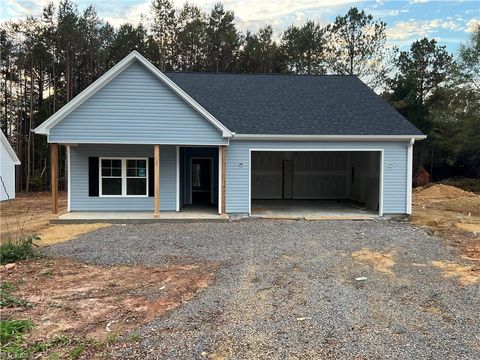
point(384, 13)
point(131, 15)
point(403, 30)
point(250, 14)
point(472, 25)
point(22, 8)
point(253, 14)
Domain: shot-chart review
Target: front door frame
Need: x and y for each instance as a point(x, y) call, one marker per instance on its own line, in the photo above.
point(211, 177)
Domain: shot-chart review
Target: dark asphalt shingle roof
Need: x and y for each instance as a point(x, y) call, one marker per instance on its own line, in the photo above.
point(294, 104)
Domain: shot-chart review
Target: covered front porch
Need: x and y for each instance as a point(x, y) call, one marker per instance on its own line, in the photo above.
point(141, 183)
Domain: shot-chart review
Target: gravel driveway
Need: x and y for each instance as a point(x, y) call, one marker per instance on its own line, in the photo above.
point(288, 290)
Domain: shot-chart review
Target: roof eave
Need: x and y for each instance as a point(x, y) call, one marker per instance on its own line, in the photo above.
point(10, 151)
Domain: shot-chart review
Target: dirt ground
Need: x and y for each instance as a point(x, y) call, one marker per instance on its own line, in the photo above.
point(451, 213)
point(73, 299)
point(30, 213)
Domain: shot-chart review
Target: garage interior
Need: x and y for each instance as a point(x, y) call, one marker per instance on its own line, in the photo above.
point(303, 184)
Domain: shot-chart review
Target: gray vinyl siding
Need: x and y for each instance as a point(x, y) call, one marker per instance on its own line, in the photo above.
point(136, 108)
point(394, 167)
point(79, 199)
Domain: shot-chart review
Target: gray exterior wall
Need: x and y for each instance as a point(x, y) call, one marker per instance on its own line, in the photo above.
point(136, 108)
point(79, 199)
point(394, 167)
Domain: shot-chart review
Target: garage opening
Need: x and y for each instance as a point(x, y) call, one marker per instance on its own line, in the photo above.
point(315, 183)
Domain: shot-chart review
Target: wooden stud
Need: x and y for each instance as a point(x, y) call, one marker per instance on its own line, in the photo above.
point(223, 210)
point(156, 151)
point(54, 177)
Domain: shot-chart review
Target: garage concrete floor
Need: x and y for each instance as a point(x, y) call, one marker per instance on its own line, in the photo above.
point(311, 209)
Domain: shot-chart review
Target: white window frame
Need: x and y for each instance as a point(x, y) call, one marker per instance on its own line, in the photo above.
point(123, 177)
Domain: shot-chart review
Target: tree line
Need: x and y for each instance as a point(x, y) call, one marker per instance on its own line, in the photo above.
point(47, 60)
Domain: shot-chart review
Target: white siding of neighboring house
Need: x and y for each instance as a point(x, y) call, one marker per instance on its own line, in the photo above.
point(7, 170)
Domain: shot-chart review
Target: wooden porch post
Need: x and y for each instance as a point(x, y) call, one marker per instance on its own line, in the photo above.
point(223, 211)
point(54, 177)
point(156, 151)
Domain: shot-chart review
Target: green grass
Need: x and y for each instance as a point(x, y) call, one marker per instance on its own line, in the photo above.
point(12, 339)
point(77, 351)
point(8, 300)
point(467, 184)
point(19, 249)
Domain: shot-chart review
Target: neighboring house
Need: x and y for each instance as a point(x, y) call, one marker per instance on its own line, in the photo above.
point(228, 140)
point(8, 160)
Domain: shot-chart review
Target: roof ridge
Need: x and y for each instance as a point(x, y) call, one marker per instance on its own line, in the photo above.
point(256, 74)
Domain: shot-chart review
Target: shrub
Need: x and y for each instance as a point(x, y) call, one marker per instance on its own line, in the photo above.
point(20, 249)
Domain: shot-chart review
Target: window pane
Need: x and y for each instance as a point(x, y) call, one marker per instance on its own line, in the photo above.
point(117, 163)
point(136, 186)
point(131, 172)
point(112, 186)
point(131, 164)
point(116, 172)
point(141, 172)
point(141, 168)
point(106, 163)
point(106, 172)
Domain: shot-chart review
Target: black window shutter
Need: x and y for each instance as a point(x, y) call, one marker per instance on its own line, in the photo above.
point(93, 174)
point(151, 177)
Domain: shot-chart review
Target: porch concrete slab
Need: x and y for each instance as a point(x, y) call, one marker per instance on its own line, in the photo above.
point(311, 210)
point(136, 217)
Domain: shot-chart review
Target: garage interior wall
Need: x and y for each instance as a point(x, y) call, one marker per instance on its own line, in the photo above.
point(316, 175)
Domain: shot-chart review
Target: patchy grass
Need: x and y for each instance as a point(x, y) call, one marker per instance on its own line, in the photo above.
point(79, 310)
point(18, 249)
point(12, 337)
point(381, 262)
point(30, 213)
point(7, 299)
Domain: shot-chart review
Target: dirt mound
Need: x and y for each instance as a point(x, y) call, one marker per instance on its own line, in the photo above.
point(440, 191)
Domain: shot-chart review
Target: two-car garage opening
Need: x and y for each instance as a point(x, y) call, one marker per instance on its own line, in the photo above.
point(316, 183)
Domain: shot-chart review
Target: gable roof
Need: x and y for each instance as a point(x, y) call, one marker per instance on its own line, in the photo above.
point(111, 74)
point(295, 105)
point(9, 149)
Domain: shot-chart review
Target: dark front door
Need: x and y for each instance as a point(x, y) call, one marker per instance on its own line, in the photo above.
point(201, 181)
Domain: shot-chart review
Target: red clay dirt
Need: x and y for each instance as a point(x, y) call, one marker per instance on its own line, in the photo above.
point(88, 301)
point(451, 213)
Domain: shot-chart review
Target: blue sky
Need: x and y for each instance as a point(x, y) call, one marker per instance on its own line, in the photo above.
point(450, 22)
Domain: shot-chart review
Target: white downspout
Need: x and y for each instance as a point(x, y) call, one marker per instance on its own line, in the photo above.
point(409, 175)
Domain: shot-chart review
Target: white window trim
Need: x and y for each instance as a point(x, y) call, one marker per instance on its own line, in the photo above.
point(123, 177)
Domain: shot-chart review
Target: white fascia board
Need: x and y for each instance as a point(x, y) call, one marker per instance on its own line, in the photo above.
point(108, 76)
point(8, 147)
point(329, 137)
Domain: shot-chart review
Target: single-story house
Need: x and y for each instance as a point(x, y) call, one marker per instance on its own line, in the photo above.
point(8, 160)
point(139, 139)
